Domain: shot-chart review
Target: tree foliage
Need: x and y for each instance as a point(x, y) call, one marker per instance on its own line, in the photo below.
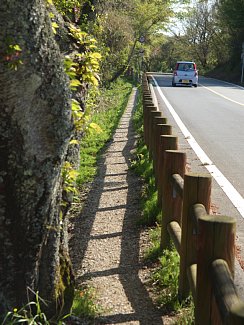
point(210, 32)
point(200, 33)
point(118, 25)
point(231, 13)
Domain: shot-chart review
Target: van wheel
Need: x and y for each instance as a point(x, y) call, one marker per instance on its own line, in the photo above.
point(195, 85)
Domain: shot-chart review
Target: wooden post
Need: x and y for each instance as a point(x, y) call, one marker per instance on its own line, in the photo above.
point(147, 108)
point(236, 316)
point(158, 120)
point(229, 308)
point(197, 189)
point(148, 103)
point(174, 230)
point(150, 130)
point(174, 163)
point(144, 83)
point(166, 142)
point(147, 97)
point(216, 241)
point(145, 88)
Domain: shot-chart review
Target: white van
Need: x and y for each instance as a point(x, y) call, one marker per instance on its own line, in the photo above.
point(185, 73)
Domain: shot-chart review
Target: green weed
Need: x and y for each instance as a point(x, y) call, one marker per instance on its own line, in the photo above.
point(150, 210)
point(154, 252)
point(138, 115)
point(109, 109)
point(143, 167)
point(31, 314)
point(165, 277)
point(186, 315)
point(84, 304)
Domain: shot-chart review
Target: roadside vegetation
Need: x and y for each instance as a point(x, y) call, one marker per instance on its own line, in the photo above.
point(91, 44)
point(164, 277)
point(109, 107)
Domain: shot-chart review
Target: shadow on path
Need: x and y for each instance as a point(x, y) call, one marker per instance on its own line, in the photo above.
point(140, 308)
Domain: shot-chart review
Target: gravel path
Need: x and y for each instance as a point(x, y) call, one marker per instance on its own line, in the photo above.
point(107, 244)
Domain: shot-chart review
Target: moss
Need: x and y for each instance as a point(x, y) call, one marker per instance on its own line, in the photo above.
point(65, 287)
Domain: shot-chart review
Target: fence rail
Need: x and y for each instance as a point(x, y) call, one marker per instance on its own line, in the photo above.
point(205, 243)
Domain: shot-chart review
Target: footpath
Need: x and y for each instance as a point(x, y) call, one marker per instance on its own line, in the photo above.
point(107, 243)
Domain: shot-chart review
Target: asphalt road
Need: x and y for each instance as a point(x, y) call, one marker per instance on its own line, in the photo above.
point(211, 118)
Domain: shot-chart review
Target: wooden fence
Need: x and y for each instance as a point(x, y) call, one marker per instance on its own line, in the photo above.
point(205, 243)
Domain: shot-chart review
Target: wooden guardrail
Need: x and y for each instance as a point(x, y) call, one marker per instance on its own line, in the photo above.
point(205, 243)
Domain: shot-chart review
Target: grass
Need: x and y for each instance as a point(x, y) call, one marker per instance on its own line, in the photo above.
point(143, 167)
point(104, 121)
point(84, 304)
point(31, 313)
point(164, 278)
point(84, 307)
point(105, 118)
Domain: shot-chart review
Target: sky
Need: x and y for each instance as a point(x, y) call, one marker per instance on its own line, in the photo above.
point(176, 26)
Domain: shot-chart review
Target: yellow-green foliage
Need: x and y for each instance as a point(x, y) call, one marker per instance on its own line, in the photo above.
point(104, 121)
point(84, 304)
point(69, 175)
point(65, 6)
point(82, 69)
point(87, 63)
point(24, 314)
point(13, 54)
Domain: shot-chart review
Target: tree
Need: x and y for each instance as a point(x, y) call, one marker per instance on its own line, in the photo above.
point(231, 15)
point(118, 27)
point(36, 126)
point(200, 31)
point(35, 129)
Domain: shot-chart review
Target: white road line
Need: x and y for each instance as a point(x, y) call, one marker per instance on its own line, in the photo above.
point(215, 92)
point(223, 182)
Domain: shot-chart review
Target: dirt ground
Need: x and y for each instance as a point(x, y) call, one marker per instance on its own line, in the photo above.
point(107, 245)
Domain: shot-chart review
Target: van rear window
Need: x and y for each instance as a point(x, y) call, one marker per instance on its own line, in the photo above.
point(185, 66)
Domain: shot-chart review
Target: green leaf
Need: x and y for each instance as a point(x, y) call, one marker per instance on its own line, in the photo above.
point(17, 48)
point(54, 27)
point(96, 127)
point(74, 141)
point(75, 106)
point(75, 83)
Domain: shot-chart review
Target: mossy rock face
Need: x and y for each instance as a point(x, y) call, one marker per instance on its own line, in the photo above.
point(66, 288)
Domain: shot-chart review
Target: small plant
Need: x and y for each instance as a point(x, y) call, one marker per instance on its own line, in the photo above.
point(186, 315)
point(154, 251)
point(13, 56)
point(65, 7)
point(69, 175)
point(84, 304)
point(31, 314)
point(138, 115)
point(110, 107)
point(166, 278)
point(143, 167)
point(82, 68)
